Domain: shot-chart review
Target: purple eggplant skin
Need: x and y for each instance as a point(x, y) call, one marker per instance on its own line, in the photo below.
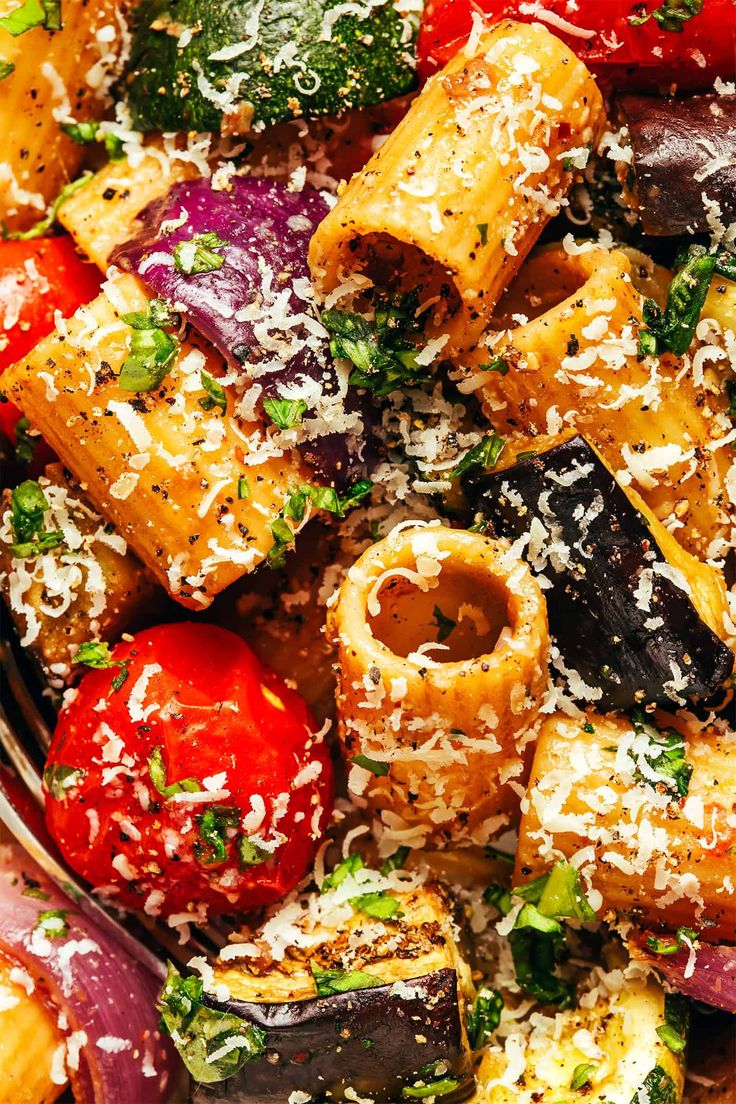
point(366, 1039)
point(676, 144)
point(592, 606)
point(267, 229)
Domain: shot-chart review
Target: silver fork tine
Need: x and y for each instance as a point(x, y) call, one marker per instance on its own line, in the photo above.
point(20, 759)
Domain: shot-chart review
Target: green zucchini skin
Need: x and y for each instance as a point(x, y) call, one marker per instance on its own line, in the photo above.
point(365, 61)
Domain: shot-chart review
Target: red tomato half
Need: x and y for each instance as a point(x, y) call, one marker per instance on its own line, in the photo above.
point(199, 784)
point(37, 278)
point(622, 53)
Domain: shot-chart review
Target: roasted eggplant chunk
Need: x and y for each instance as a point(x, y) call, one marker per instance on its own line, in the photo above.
point(352, 1008)
point(621, 613)
point(682, 148)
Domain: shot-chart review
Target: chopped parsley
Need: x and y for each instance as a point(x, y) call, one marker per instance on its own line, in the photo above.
point(202, 253)
point(295, 506)
point(378, 904)
point(285, 413)
point(498, 364)
point(243, 488)
point(157, 771)
point(485, 455)
point(212, 845)
point(672, 15)
point(32, 13)
point(373, 765)
point(329, 982)
point(44, 224)
point(213, 1045)
point(443, 1087)
point(383, 358)
point(25, 443)
point(395, 861)
point(53, 923)
point(152, 349)
point(58, 778)
point(581, 1075)
point(251, 853)
point(666, 755)
point(672, 329)
point(282, 538)
point(483, 231)
point(445, 624)
point(484, 1017)
point(351, 865)
point(89, 131)
point(6, 67)
point(671, 945)
point(28, 504)
point(214, 393)
point(96, 653)
point(657, 1088)
point(673, 1032)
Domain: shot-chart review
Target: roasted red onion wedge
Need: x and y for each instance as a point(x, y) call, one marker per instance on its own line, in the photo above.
point(703, 971)
point(114, 1050)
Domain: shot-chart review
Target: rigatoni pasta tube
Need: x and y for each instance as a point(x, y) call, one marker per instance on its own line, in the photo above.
point(189, 489)
point(646, 850)
point(578, 364)
point(56, 75)
point(442, 653)
point(457, 196)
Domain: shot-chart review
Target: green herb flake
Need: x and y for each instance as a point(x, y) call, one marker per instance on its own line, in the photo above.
point(673, 1032)
point(96, 654)
point(665, 756)
point(25, 442)
point(251, 853)
point(672, 15)
point(214, 393)
point(656, 1088)
point(6, 67)
point(498, 364)
point(30, 14)
point(215, 828)
point(53, 923)
point(581, 1075)
point(671, 945)
point(82, 133)
point(351, 865)
point(589, 728)
point(157, 772)
point(483, 231)
point(373, 765)
point(445, 625)
point(396, 861)
point(282, 538)
point(44, 224)
point(672, 329)
point(499, 897)
point(383, 357)
point(202, 253)
point(243, 488)
point(561, 894)
point(28, 504)
point(329, 982)
point(285, 413)
point(149, 360)
point(213, 1045)
point(380, 905)
point(485, 455)
point(443, 1087)
point(484, 1017)
point(59, 778)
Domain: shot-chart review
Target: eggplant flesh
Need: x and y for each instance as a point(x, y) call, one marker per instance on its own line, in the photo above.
point(682, 149)
point(375, 1041)
point(627, 634)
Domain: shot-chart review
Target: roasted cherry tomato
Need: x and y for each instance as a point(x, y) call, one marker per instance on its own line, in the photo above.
point(187, 778)
point(608, 36)
point(37, 278)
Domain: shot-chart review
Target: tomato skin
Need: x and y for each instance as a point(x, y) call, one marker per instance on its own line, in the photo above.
point(197, 693)
point(633, 65)
point(37, 278)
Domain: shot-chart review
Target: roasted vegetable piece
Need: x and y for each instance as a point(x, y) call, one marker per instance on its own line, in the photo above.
point(351, 1002)
point(222, 64)
point(683, 161)
point(615, 1052)
point(210, 760)
point(87, 586)
point(626, 620)
point(650, 806)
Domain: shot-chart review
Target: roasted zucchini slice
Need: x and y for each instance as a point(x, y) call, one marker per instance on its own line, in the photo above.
point(345, 1005)
point(632, 614)
point(626, 1049)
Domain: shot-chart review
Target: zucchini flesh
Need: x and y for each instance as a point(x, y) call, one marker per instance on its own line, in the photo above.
point(620, 621)
point(298, 62)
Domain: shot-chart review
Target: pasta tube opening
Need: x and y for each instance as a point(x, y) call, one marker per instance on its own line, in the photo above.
point(465, 614)
point(457, 196)
point(438, 733)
